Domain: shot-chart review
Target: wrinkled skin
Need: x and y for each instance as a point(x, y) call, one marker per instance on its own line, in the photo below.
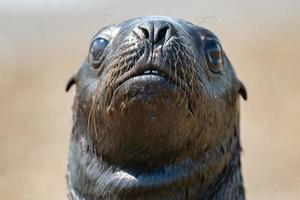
point(172, 134)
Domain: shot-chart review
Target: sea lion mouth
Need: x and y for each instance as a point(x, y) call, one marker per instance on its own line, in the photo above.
point(150, 74)
point(151, 83)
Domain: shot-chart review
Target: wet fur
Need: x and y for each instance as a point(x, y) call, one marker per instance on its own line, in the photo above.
point(207, 162)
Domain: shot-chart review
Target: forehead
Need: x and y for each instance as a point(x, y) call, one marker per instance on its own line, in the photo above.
point(180, 24)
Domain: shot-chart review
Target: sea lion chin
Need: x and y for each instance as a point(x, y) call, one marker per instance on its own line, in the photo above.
point(156, 115)
point(146, 110)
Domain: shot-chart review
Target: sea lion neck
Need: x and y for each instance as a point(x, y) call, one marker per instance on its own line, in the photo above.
point(187, 180)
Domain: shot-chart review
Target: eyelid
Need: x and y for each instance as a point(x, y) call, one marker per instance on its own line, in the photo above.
point(209, 39)
point(101, 35)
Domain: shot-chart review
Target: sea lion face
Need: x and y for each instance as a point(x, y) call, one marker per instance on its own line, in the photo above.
point(155, 90)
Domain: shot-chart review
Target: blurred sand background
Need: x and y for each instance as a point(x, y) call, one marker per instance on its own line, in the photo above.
point(43, 42)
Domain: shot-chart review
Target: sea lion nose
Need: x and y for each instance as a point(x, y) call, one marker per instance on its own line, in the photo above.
point(154, 31)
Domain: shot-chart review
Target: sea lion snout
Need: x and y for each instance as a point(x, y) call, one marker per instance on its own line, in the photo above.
point(154, 31)
point(157, 64)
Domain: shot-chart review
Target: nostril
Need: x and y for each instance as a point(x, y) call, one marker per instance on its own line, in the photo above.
point(161, 34)
point(155, 32)
point(145, 32)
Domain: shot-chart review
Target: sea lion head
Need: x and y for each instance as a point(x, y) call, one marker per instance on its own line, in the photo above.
point(155, 91)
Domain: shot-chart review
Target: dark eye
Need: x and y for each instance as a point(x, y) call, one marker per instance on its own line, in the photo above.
point(97, 48)
point(213, 54)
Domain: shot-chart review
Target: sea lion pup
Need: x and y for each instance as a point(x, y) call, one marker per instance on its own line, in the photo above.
point(156, 115)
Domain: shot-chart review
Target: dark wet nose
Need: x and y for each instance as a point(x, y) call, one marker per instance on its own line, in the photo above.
point(154, 31)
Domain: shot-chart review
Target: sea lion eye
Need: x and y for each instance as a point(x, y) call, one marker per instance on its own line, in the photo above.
point(97, 48)
point(213, 54)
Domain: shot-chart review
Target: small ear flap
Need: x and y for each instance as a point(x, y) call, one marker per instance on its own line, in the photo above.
point(243, 90)
point(71, 82)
